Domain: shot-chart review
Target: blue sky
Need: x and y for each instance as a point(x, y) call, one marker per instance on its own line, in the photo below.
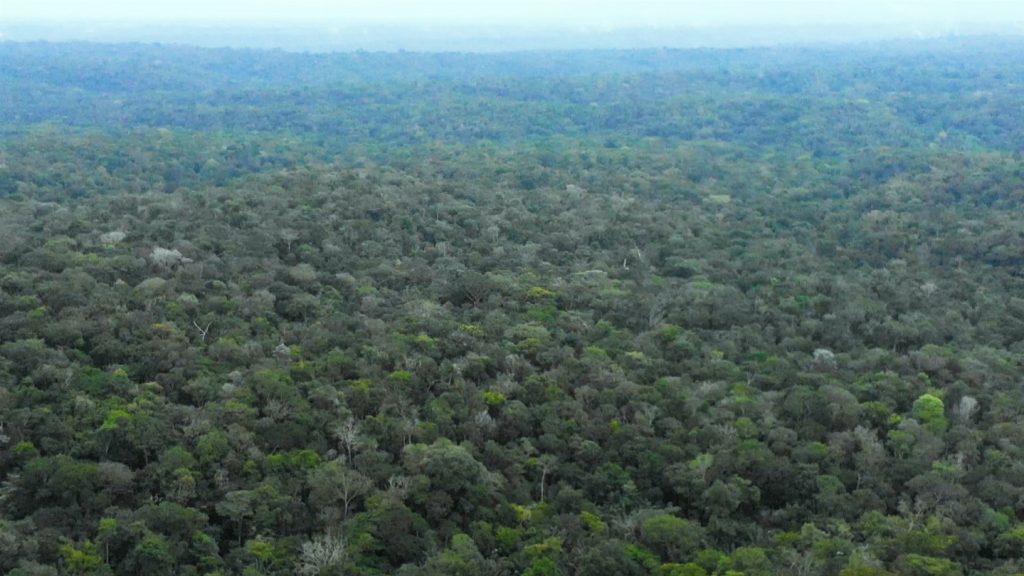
point(596, 13)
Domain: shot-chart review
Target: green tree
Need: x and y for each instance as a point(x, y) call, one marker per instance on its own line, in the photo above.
point(674, 539)
point(931, 412)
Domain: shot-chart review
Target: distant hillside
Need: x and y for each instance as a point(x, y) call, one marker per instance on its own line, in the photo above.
point(885, 94)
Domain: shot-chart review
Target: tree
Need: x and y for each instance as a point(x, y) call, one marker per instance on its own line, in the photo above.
point(84, 560)
point(151, 556)
point(454, 478)
point(322, 555)
point(239, 506)
point(674, 539)
point(931, 412)
point(461, 558)
point(334, 488)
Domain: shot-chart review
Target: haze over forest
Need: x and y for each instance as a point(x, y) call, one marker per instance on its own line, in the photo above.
point(459, 25)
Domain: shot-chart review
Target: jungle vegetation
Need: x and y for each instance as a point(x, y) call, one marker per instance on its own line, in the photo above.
point(645, 313)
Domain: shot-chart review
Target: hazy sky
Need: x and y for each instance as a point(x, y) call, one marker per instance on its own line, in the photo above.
point(602, 13)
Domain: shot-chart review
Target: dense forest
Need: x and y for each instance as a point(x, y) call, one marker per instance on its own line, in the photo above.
point(635, 313)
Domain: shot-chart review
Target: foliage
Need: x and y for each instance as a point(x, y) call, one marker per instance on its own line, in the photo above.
point(657, 312)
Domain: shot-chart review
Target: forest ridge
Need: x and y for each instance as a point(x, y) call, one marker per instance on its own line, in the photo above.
point(660, 312)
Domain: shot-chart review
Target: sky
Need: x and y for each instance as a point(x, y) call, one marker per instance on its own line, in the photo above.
point(572, 13)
